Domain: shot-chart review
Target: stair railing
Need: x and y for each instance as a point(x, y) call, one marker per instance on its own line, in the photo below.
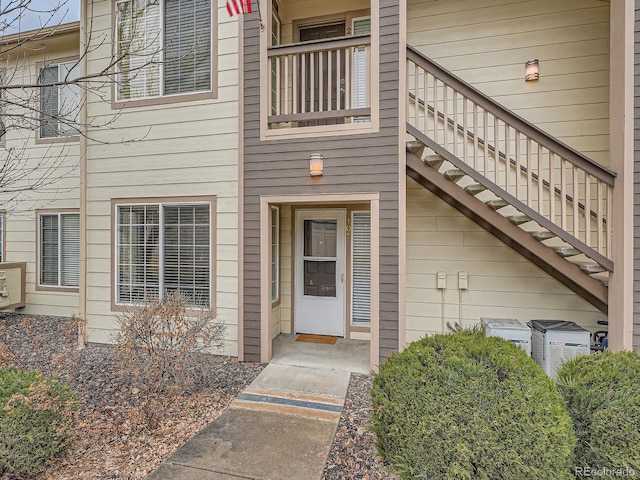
point(564, 190)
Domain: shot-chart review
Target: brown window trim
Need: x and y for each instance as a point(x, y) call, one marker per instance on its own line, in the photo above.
point(60, 138)
point(168, 99)
point(50, 288)
point(210, 199)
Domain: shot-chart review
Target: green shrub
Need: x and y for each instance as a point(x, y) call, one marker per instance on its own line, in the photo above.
point(603, 397)
point(465, 406)
point(35, 420)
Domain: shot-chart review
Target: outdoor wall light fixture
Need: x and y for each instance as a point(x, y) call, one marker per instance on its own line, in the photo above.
point(531, 71)
point(316, 165)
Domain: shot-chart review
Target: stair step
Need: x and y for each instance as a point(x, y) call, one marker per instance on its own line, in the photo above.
point(565, 251)
point(590, 268)
point(454, 174)
point(519, 219)
point(434, 161)
point(417, 148)
point(542, 235)
point(475, 188)
point(497, 203)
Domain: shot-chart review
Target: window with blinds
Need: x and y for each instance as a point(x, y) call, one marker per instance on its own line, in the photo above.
point(163, 248)
point(59, 249)
point(59, 102)
point(361, 269)
point(360, 69)
point(164, 47)
point(275, 254)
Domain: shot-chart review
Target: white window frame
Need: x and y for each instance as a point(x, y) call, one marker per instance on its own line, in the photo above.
point(275, 259)
point(276, 37)
point(358, 54)
point(63, 130)
point(161, 260)
point(160, 60)
point(59, 284)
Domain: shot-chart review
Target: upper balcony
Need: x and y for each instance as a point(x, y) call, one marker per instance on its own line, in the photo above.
point(317, 75)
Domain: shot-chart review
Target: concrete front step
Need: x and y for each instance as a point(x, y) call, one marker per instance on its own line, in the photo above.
point(475, 188)
point(497, 203)
point(454, 174)
point(542, 235)
point(280, 427)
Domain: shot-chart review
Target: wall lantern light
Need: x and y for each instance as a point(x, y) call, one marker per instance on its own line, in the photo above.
point(531, 71)
point(316, 165)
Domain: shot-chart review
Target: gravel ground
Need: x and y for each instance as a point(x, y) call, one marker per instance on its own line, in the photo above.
point(124, 436)
point(353, 452)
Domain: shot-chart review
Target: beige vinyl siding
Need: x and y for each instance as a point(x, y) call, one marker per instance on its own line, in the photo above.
point(275, 322)
point(186, 148)
point(20, 219)
point(487, 42)
point(286, 272)
point(502, 284)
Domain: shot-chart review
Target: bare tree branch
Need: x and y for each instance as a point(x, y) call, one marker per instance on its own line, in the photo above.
point(33, 177)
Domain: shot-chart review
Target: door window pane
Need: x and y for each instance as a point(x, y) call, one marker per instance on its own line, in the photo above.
point(320, 278)
point(320, 238)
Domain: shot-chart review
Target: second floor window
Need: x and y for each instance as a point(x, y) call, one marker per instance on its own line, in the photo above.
point(59, 100)
point(163, 47)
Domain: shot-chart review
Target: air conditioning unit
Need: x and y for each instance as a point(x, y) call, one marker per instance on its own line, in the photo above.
point(553, 342)
point(509, 329)
point(12, 285)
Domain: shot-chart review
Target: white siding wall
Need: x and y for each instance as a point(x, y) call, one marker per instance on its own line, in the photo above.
point(487, 42)
point(185, 148)
point(62, 193)
point(502, 284)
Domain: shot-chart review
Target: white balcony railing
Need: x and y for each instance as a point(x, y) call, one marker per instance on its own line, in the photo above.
point(320, 82)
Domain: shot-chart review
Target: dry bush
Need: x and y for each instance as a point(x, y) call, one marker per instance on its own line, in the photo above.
point(165, 344)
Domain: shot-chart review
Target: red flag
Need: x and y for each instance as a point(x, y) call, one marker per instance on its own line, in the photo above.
point(236, 7)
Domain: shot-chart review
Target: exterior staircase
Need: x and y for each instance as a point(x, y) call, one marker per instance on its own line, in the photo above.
point(547, 201)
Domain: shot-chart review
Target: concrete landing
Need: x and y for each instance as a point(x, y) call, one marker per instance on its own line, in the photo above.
point(279, 428)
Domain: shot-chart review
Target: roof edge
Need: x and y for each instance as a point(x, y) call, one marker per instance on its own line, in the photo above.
point(40, 34)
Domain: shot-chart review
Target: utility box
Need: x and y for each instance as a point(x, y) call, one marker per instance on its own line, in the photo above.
point(12, 285)
point(553, 342)
point(509, 329)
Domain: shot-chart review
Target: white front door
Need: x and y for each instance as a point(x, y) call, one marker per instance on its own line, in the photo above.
point(320, 269)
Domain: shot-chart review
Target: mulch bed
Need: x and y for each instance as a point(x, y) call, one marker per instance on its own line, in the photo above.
point(120, 433)
point(353, 452)
point(124, 435)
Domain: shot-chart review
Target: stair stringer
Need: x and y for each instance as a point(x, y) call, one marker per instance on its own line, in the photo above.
point(592, 290)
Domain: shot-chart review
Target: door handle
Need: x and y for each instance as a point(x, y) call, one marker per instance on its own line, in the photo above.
point(342, 278)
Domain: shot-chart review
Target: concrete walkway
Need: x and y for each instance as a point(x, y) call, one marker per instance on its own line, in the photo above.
point(278, 428)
